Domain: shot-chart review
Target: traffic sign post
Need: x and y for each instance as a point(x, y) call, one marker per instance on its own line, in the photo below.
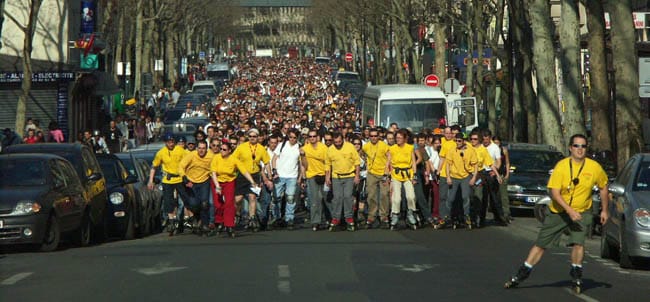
point(432, 80)
point(348, 57)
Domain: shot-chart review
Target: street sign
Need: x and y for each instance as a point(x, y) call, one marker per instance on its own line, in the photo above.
point(348, 57)
point(431, 80)
point(451, 85)
point(202, 55)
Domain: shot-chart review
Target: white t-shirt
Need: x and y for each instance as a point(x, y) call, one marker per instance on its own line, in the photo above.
point(287, 163)
point(495, 153)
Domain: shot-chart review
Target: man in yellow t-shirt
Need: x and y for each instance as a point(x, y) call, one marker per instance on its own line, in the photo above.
point(571, 185)
point(169, 157)
point(377, 180)
point(194, 168)
point(447, 144)
point(461, 167)
point(251, 154)
point(341, 174)
point(313, 155)
point(480, 184)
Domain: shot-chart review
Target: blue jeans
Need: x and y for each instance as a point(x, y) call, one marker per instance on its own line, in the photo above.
point(201, 196)
point(287, 186)
point(264, 202)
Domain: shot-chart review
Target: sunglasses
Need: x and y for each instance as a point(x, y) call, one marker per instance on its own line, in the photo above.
point(373, 135)
point(213, 145)
point(579, 146)
point(459, 140)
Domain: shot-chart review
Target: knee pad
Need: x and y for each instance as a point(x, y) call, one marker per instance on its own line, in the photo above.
point(290, 199)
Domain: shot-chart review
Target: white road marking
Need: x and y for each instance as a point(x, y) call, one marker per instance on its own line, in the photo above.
point(283, 271)
point(413, 268)
point(582, 297)
point(15, 278)
point(284, 285)
point(160, 268)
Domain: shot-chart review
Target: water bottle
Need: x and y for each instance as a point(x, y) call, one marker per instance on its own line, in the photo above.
point(326, 188)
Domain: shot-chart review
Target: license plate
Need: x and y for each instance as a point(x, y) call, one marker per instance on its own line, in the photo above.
point(532, 199)
point(2, 224)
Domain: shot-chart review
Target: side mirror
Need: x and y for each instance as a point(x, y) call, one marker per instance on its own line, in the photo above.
point(95, 177)
point(616, 189)
point(131, 179)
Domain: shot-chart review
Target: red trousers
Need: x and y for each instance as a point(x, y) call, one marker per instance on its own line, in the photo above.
point(435, 199)
point(224, 203)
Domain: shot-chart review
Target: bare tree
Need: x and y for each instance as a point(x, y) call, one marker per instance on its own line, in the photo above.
point(544, 59)
point(628, 119)
point(569, 29)
point(32, 7)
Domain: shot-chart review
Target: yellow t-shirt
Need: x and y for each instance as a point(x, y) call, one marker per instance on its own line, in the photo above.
point(483, 158)
point(315, 159)
point(342, 162)
point(244, 153)
point(226, 168)
point(577, 196)
point(461, 162)
point(169, 159)
point(196, 168)
point(376, 157)
point(401, 158)
point(445, 147)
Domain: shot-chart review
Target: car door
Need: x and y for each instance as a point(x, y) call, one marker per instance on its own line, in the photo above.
point(74, 191)
point(618, 203)
point(95, 186)
point(62, 203)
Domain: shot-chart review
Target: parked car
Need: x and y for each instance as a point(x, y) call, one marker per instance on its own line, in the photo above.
point(89, 172)
point(125, 207)
point(530, 168)
point(627, 233)
point(42, 200)
point(152, 199)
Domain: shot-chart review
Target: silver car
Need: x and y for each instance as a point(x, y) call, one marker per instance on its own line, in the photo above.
point(627, 233)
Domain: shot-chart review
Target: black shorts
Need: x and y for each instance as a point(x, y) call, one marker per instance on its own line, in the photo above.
point(243, 186)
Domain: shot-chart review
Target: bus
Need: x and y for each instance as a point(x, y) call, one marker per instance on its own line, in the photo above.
point(417, 107)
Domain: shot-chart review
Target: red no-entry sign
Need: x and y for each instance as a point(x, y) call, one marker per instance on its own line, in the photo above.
point(348, 57)
point(432, 80)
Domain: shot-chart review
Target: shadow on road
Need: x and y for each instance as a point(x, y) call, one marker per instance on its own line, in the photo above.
point(588, 284)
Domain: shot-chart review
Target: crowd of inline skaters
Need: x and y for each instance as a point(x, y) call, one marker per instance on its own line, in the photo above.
point(281, 139)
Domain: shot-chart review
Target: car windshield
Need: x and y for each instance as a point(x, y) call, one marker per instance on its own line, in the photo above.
point(533, 161)
point(642, 182)
point(22, 172)
point(110, 172)
point(348, 76)
point(411, 113)
point(128, 164)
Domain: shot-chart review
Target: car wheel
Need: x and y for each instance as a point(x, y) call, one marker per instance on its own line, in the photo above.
point(540, 212)
point(624, 259)
point(606, 251)
point(82, 235)
point(52, 235)
point(129, 233)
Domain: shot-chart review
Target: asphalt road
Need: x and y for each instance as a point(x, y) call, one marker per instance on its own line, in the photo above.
point(299, 265)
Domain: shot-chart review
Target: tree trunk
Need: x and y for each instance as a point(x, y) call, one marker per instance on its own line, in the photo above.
point(544, 59)
point(526, 106)
point(26, 84)
point(440, 34)
point(139, 26)
point(574, 122)
point(598, 86)
point(628, 108)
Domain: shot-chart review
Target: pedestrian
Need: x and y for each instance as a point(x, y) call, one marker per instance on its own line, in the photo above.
point(571, 185)
point(251, 154)
point(55, 133)
point(402, 167)
point(169, 158)
point(194, 168)
point(480, 184)
point(447, 144)
point(342, 169)
point(461, 169)
point(287, 173)
point(377, 184)
point(114, 137)
point(313, 159)
point(224, 167)
point(31, 137)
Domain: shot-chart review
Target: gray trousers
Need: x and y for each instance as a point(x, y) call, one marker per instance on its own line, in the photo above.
point(315, 194)
point(377, 189)
point(465, 192)
point(443, 189)
point(503, 195)
point(342, 189)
